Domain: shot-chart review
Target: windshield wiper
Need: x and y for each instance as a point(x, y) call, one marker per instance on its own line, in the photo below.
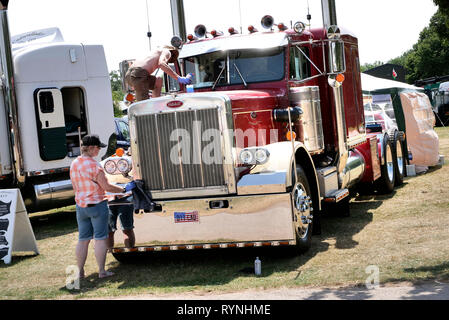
point(241, 77)
point(218, 78)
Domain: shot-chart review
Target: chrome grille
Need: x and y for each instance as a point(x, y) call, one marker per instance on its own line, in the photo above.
point(155, 133)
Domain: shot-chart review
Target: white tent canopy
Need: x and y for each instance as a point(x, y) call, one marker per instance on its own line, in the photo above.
point(370, 83)
point(444, 86)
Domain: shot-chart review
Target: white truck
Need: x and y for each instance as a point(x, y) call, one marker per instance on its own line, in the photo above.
point(53, 93)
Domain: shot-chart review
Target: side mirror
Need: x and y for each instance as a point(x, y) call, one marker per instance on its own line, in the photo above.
point(337, 63)
point(112, 146)
point(170, 84)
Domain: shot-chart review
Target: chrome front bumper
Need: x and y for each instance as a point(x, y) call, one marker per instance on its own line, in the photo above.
point(224, 220)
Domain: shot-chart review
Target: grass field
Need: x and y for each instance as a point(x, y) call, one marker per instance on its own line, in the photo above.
point(405, 235)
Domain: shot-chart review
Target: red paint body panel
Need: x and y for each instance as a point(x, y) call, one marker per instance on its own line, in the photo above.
point(370, 153)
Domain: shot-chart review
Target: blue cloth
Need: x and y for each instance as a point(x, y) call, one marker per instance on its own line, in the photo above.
point(129, 186)
point(93, 221)
point(185, 80)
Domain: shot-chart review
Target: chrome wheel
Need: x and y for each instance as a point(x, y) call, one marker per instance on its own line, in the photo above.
point(385, 184)
point(302, 209)
point(399, 157)
point(389, 162)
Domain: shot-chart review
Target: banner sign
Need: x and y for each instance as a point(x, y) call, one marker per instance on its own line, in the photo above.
point(16, 233)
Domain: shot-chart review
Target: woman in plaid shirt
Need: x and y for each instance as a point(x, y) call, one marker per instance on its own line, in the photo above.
point(90, 186)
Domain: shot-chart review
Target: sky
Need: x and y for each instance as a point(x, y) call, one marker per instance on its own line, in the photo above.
point(385, 28)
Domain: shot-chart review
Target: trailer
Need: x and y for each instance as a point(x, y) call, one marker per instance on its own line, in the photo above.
point(272, 137)
point(53, 93)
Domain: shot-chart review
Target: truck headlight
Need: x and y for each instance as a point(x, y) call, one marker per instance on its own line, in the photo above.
point(110, 166)
point(254, 156)
point(124, 166)
point(246, 156)
point(261, 155)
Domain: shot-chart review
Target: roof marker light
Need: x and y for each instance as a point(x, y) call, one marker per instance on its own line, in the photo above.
point(252, 29)
point(282, 26)
point(216, 33)
point(191, 37)
point(232, 31)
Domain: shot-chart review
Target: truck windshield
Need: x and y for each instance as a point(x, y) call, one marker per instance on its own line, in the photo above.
point(236, 67)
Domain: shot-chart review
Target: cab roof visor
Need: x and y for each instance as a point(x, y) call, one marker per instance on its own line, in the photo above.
point(251, 41)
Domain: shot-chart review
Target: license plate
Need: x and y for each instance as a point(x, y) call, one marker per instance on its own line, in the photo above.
point(186, 216)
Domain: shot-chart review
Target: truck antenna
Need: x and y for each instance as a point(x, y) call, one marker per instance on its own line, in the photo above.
point(309, 16)
point(240, 13)
point(148, 21)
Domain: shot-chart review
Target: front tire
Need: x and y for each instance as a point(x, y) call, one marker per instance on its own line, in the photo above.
point(302, 207)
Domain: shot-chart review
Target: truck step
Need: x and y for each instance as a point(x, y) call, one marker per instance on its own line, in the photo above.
point(336, 196)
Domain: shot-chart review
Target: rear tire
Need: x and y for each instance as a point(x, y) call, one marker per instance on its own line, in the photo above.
point(302, 207)
point(399, 156)
point(385, 184)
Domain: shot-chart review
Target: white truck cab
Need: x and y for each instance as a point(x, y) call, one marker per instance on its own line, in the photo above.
point(61, 92)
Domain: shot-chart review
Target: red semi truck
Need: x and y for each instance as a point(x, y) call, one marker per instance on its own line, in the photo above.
point(272, 136)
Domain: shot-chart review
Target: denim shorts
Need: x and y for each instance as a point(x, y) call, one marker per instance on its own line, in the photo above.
point(93, 221)
point(123, 212)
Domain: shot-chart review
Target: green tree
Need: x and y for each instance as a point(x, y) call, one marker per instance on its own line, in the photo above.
point(430, 55)
point(401, 60)
point(368, 66)
point(117, 92)
point(443, 6)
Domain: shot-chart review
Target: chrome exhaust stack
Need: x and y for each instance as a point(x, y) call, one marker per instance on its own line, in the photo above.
point(178, 19)
point(51, 192)
point(329, 13)
point(336, 65)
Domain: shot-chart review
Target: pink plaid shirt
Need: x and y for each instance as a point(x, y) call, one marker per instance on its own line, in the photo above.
point(83, 174)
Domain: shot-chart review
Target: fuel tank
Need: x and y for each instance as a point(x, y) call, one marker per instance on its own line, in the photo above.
point(308, 99)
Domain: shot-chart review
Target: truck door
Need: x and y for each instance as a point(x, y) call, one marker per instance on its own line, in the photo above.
point(50, 124)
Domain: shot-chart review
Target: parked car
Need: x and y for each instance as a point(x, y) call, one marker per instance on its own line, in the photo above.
point(122, 131)
point(374, 113)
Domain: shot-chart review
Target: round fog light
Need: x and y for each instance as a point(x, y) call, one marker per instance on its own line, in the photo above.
point(246, 157)
point(261, 155)
point(123, 166)
point(110, 166)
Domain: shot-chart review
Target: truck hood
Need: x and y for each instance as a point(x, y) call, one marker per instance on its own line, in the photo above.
point(248, 100)
point(240, 100)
